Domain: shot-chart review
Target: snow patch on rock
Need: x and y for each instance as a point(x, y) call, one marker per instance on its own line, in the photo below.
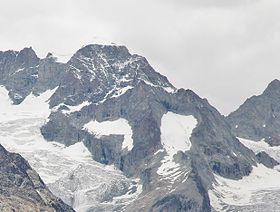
point(166, 88)
point(176, 131)
point(71, 109)
point(121, 91)
point(116, 127)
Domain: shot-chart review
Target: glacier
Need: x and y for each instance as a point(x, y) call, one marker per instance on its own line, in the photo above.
point(69, 172)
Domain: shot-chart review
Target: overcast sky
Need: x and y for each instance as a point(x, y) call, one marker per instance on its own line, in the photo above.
point(224, 50)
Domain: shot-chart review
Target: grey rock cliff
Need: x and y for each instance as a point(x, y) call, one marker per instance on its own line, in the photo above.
point(266, 160)
point(18, 71)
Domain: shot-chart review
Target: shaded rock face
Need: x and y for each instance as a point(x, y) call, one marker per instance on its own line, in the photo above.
point(259, 117)
point(21, 188)
point(19, 72)
point(98, 72)
point(50, 74)
point(171, 202)
point(266, 160)
point(115, 84)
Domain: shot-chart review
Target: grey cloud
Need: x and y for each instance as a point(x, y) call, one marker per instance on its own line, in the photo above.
point(222, 49)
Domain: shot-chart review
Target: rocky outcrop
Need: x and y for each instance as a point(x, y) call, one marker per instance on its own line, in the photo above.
point(19, 72)
point(21, 188)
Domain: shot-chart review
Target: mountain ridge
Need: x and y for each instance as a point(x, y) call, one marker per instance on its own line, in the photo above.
point(257, 117)
point(105, 84)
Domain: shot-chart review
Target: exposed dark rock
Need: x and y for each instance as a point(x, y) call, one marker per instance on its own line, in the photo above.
point(266, 160)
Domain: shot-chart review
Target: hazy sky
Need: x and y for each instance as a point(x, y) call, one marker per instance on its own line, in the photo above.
point(224, 50)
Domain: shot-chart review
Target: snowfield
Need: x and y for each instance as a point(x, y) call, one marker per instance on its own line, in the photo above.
point(70, 172)
point(176, 131)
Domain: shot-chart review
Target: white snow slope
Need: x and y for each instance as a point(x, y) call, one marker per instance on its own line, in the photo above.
point(69, 172)
point(176, 131)
point(257, 192)
point(31, 107)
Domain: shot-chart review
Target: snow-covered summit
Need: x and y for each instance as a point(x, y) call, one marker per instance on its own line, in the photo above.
point(100, 72)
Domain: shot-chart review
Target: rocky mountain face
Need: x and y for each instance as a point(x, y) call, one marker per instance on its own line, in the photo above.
point(21, 187)
point(258, 117)
point(256, 124)
point(19, 72)
point(101, 85)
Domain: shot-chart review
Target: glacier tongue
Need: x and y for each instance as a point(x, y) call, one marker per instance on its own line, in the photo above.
point(70, 172)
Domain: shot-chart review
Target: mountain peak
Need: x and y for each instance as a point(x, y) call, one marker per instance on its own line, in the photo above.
point(3, 151)
point(27, 56)
point(104, 71)
point(274, 83)
point(257, 118)
point(49, 55)
point(27, 51)
point(273, 88)
point(108, 51)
